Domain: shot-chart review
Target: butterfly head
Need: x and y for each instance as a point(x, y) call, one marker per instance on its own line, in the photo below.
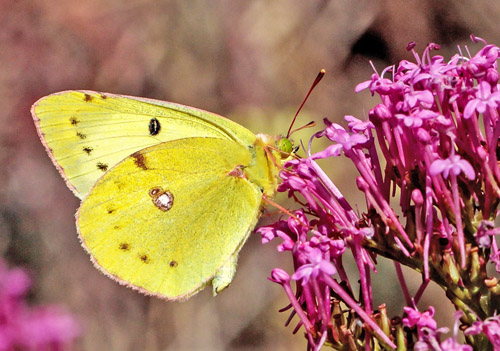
point(286, 147)
point(281, 147)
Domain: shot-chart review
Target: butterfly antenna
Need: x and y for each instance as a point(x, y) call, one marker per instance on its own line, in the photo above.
point(320, 75)
point(308, 125)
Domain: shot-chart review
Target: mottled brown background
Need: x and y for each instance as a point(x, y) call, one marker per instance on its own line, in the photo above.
point(250, 60)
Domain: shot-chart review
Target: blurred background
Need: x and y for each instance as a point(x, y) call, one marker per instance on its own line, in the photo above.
point(252, 61)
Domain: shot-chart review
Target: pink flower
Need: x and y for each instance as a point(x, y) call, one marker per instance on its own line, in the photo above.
point(452, 344)
point(427, 163)
point(356, 125)
point(23, 327)
point(484, 99)
point(485, 231)
point(454, 165)
point(490, 327)
point(420, 319)
point(338, 134)
point(317, 264)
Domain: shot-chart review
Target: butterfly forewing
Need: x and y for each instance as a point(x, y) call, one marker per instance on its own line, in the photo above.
point(86, 133)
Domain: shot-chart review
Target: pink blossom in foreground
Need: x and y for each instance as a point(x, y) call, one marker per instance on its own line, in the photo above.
point(427, 163)
point(31, 328)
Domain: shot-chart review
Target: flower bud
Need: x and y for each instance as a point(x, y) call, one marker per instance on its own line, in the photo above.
point(417, 197)
point(380, 112)
point(279, 276)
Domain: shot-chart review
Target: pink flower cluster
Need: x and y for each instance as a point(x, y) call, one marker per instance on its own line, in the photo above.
point(30, 328)
point(437, 130)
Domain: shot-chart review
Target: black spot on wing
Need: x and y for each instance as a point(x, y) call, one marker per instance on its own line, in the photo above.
point(102, 166)
point(81, 135)
point(74, 121)
point(87, 97)
point(88, 150)
point(154, 127)
point(124, 246)
point(144, 258)
point(173, 263)
point(140, 160)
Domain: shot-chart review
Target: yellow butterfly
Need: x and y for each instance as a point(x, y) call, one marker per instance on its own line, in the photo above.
point(169, 193)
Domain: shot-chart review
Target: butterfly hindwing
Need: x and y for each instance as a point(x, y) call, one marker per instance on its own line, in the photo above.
point(167, 218)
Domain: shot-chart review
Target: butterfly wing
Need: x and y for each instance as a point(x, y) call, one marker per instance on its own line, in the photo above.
point(86, 133)
point(167, 219)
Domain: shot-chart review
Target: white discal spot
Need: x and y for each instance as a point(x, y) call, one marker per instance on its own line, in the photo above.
point(163, 199)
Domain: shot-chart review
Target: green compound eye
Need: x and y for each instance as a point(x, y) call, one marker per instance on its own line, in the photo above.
point(285, 145)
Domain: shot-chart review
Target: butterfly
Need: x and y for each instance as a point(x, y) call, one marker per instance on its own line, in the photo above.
point(169, 193)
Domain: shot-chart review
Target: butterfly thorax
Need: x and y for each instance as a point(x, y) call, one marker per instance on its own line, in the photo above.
point(267, 160)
